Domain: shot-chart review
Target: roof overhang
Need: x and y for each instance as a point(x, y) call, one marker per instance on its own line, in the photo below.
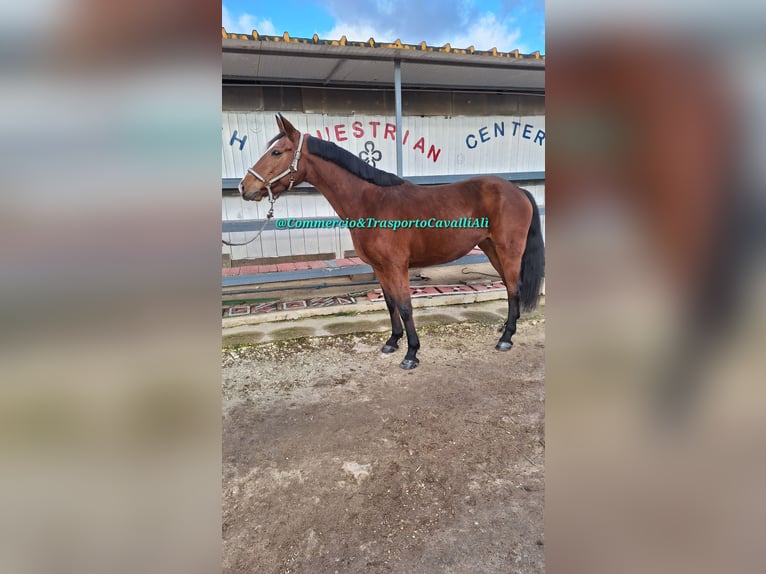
point(248, 59)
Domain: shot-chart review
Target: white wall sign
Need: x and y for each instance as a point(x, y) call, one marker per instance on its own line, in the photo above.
point(431, 145)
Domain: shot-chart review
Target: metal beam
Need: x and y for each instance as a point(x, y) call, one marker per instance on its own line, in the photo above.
point(325, 272)
point(245, 225)
point(398, 104)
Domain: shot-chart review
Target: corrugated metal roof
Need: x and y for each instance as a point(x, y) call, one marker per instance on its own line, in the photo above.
point(279, 59)
point(372, 44)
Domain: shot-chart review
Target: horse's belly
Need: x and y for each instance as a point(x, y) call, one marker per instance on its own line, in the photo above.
point(433, 247)
point(438, 257)
point(443, 246)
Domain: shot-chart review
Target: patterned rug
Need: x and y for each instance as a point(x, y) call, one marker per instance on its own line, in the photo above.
point(241, 310)
point(436, 290)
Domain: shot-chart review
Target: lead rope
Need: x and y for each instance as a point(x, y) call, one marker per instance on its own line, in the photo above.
point(269, 215)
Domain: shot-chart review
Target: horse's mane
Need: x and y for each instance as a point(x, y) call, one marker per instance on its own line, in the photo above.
point(351, 163)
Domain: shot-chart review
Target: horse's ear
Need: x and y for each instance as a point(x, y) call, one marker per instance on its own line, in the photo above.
point(287, 128)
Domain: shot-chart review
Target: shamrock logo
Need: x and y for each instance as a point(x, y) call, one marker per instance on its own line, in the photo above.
point(369, 154)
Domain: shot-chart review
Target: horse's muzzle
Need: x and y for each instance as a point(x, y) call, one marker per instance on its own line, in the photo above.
point(251, 194)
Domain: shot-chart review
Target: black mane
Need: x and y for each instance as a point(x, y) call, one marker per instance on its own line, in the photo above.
point(351, 163)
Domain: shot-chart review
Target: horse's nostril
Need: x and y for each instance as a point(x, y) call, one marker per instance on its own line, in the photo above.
point(241, 189)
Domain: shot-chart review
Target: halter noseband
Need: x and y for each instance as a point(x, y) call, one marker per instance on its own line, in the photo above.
point(291, 170)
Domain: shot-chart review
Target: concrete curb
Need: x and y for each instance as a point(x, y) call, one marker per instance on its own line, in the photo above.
point(483, 307)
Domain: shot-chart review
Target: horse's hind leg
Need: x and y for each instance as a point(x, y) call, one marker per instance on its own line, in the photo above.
point(404, 304)
point(488, 247)
point(509, 259)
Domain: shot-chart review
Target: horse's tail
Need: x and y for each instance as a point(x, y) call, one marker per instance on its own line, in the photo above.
point(533, 261)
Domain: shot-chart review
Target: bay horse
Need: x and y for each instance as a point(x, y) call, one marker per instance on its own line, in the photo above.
point(512, 241)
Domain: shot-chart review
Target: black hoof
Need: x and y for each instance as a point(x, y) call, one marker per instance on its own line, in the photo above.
point(503, 346)
point(408, 364)
point(389, 348)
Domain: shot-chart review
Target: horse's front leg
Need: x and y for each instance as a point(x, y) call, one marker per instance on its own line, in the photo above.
point(396, 325)
point(395, 282)
point(400, 294)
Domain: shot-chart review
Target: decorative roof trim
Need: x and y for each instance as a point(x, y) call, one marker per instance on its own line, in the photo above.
point(372, 44)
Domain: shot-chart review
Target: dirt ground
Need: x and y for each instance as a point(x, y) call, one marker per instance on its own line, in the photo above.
point(335, 460)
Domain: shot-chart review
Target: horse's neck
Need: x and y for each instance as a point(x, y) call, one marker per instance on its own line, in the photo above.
point(342, 189)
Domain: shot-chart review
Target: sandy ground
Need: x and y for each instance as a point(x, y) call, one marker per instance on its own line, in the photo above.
point(336, 460)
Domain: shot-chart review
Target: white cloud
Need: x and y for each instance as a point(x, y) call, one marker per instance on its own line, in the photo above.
point(487, 33)
point(358, 33)
point(385, 6)
point(483, 33)
point(246, 23)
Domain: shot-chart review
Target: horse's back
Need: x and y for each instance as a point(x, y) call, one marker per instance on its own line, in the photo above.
point(473, 188)
point(501, 195)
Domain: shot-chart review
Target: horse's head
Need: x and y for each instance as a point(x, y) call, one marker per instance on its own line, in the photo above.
point(279, 168)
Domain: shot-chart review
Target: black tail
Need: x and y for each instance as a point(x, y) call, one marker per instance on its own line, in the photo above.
point(533, 261)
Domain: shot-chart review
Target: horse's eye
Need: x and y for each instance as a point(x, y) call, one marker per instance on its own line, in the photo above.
point(276, 152)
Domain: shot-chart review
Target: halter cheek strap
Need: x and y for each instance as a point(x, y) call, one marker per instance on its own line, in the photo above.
point(291, 170)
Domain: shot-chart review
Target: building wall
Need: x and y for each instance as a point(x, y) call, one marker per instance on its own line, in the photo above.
point(319, 100)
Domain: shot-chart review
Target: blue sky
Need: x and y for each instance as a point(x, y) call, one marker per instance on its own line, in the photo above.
point(502, 24)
